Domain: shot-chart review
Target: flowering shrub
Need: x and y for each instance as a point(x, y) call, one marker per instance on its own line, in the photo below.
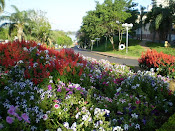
point(50, 90)
point(153, 59)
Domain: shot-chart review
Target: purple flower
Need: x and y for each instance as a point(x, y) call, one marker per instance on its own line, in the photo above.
point(59, 90)
point(9, 119)
point(78, 88)
point(11, 111)
point(67, 89)
point(49, 87)
point(70, 92)
point(25, 117)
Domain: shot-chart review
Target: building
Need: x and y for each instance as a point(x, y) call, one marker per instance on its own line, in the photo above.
point(146, 34)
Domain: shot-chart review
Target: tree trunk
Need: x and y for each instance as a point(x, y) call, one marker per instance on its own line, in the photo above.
point(20, 32)
point(112, 42)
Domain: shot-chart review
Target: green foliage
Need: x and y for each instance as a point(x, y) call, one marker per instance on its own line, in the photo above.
point(4, 33)
point(102, 21)
point(61, 38)
point(159, 47)
point(160, 20)
point(169, 125)
point(2, 5)
point(39, 26)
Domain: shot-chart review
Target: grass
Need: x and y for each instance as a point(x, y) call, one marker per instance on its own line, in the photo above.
point(134, 49)
point(159, 47)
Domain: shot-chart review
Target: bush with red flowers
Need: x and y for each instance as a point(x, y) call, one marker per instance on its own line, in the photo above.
point(153, 59)
point(38, 61)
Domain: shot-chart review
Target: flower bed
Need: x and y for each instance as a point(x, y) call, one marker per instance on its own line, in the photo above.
point(153, 59)
point(43, 89)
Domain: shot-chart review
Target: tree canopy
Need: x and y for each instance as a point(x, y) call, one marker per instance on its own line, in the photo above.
point(2, 5)
point(102, 20)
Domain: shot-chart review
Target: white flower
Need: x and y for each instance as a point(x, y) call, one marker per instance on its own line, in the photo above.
point(45, 117)
point(101, 129)
point(35, 64)
point(96, 111)
point(59, 129)
point(85, 117)
point(170, 103)
point(33, 128)
point(119, 89)
point(73, 127)
point(66, 124)
point(46, 51)
point(32, 97)
point(37, 120)
point(134, 87)
point(25, 49)
point(126, 127)
point(134, 115)
point(20, 61)
point(137, 126)
point(77, 115)
point(51, 81)
point(117, 128)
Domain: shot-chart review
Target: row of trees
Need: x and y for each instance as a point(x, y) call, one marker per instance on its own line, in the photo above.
point(31, 25)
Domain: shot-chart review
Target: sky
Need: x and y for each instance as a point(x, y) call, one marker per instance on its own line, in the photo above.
point(63, 15)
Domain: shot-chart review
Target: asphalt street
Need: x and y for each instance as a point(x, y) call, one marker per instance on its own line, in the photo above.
point(130, 62)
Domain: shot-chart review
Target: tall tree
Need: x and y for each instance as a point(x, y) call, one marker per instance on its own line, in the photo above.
point(18, 20)
point(2, 5)
point(103, 20)
point(142, 13)
point(39, 27)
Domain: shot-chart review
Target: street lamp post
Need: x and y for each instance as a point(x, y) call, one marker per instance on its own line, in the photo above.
point(92, 44)
point(127, 26)
point(97, 40)
point(106, 42)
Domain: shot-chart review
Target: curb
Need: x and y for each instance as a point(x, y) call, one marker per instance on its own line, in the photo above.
point(111, 55)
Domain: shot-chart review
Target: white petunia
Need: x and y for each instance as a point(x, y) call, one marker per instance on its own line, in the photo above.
point(137, 126)
point(134, 115)
point(126, 127)
point(66, 124)
point(117, 128)
point(59, 129)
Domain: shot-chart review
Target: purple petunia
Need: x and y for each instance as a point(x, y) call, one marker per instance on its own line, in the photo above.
point(9, 119)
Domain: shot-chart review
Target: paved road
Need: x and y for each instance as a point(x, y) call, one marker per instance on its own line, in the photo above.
point(130, 62)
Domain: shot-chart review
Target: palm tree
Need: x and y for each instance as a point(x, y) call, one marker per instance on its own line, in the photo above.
point(16, 20)
point(160, 20)
point(142, 13)
point(2, 5)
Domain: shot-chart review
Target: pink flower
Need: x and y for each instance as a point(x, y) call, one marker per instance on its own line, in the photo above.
point(9, 119)
point(138, 102)
point(49, 87)
point(57, 106)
